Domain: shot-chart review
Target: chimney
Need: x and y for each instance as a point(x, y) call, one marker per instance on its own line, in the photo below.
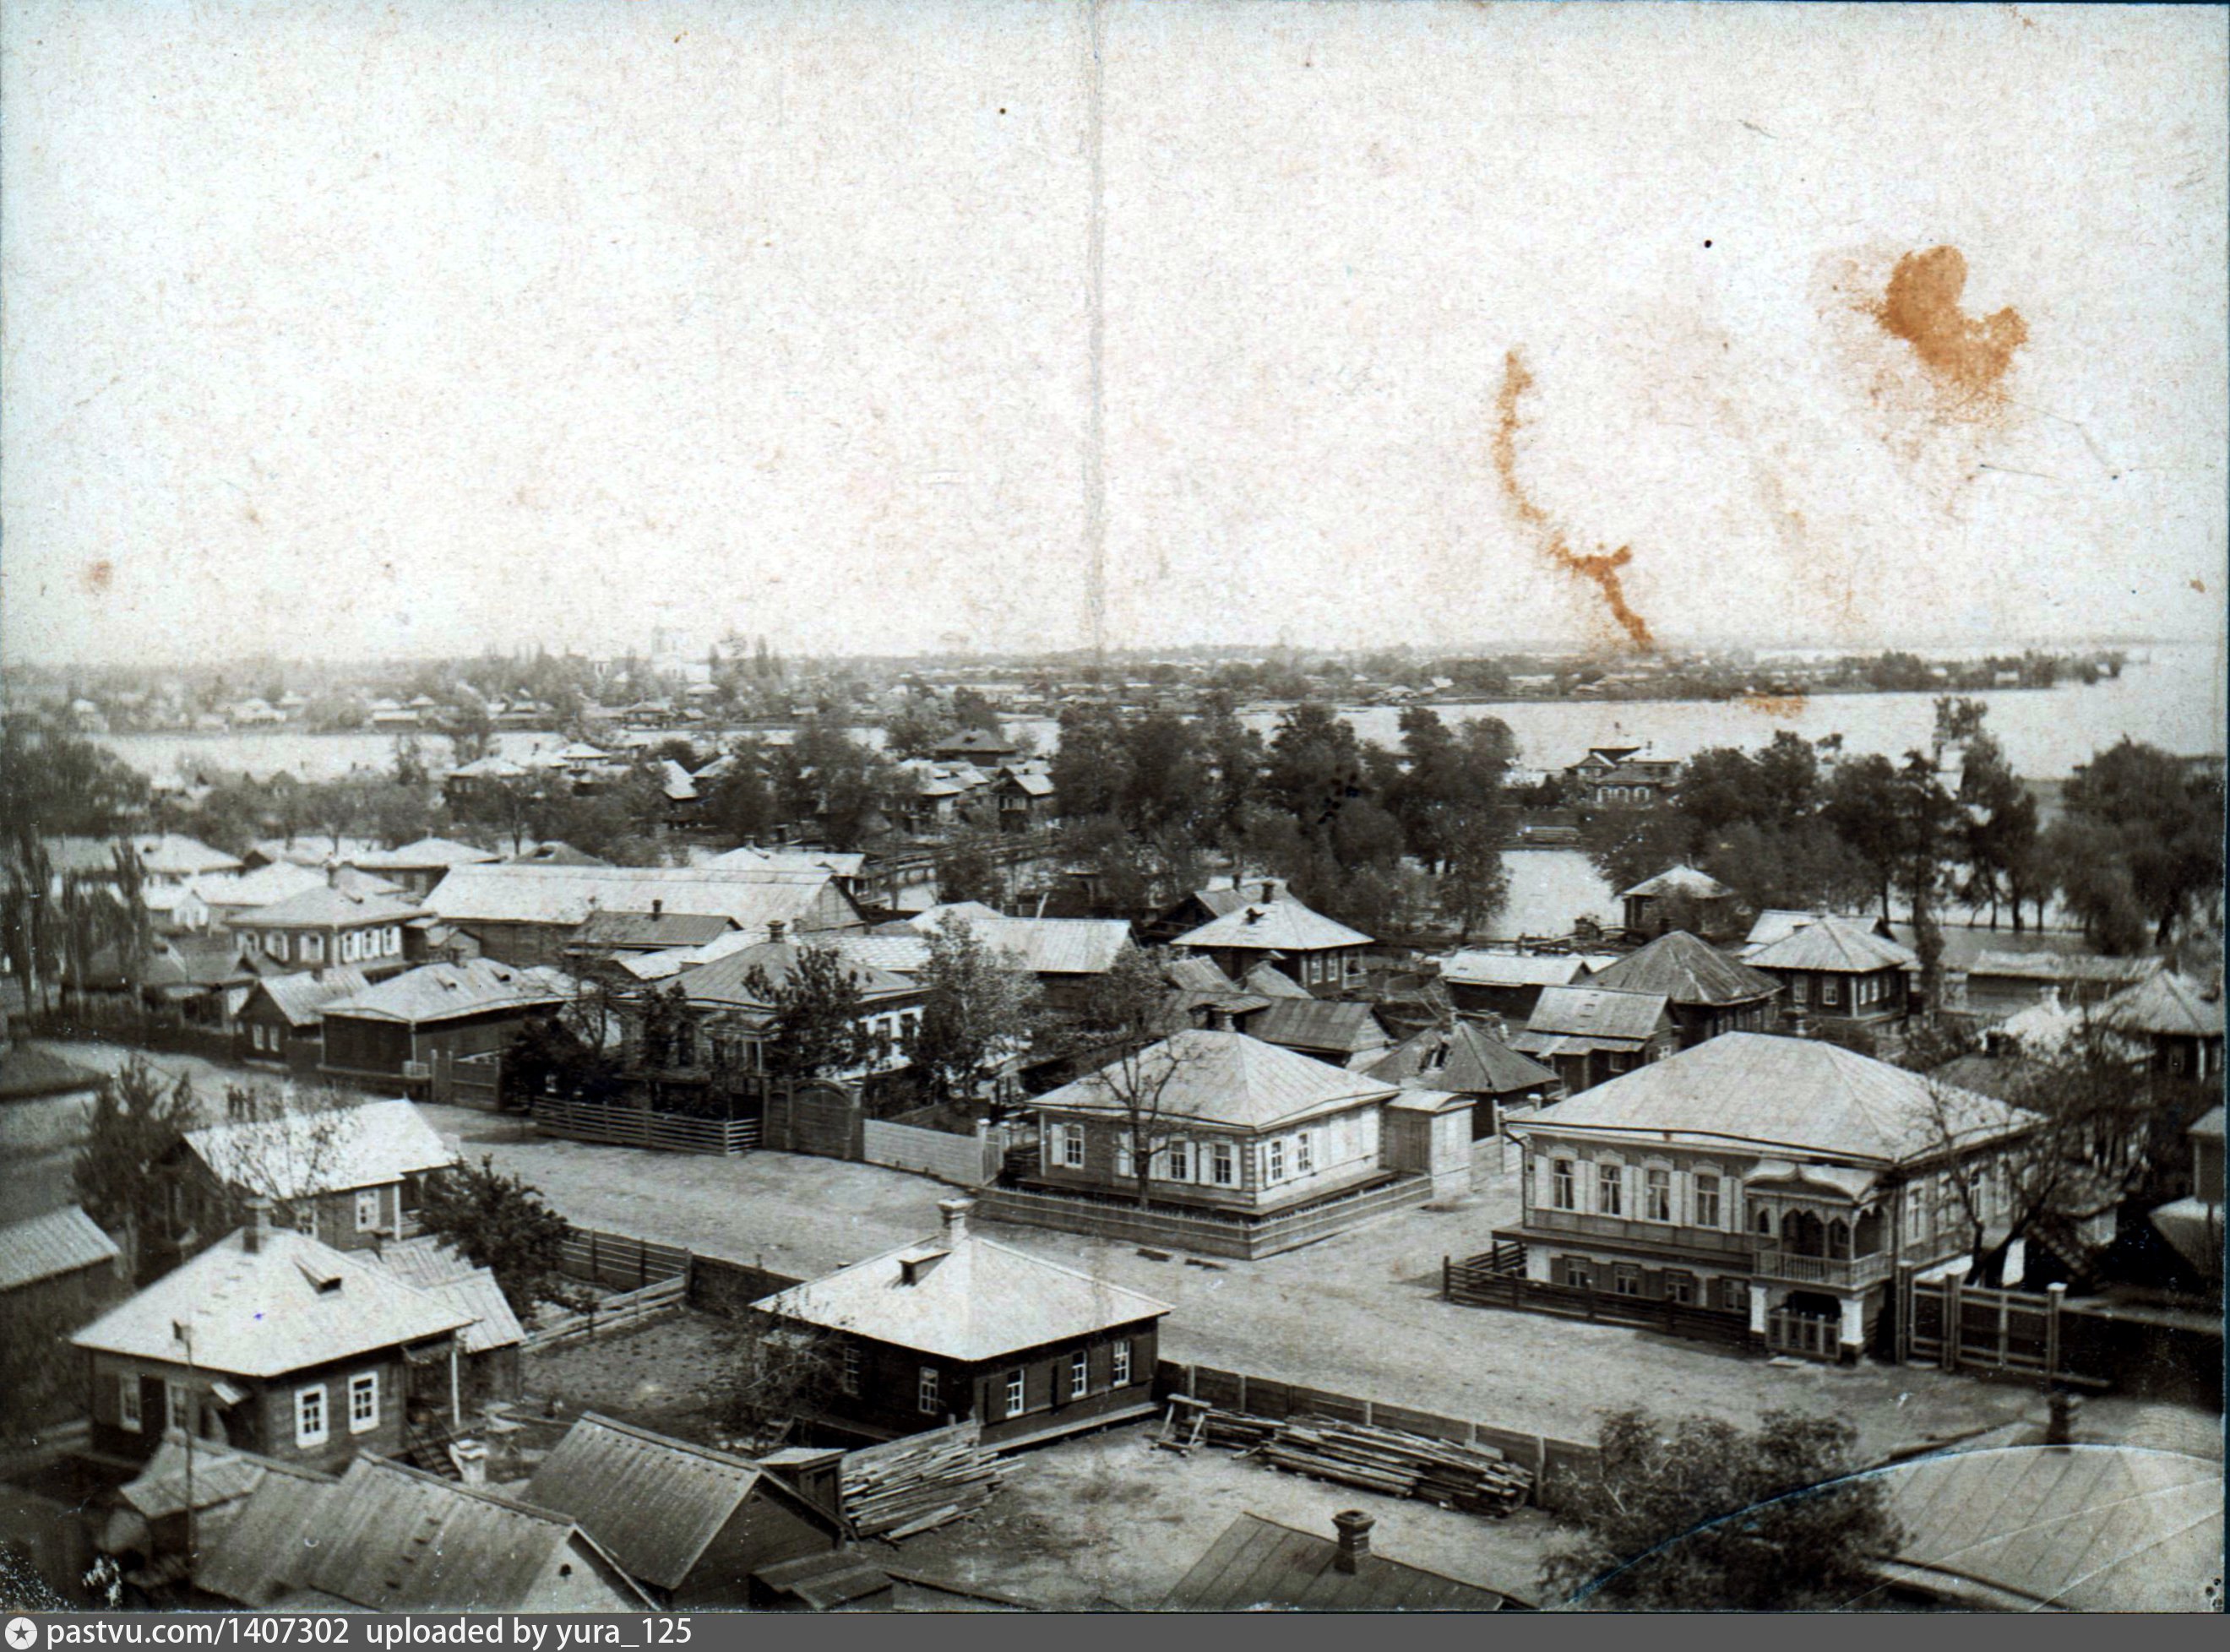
point(259, 1225)
point(955, 1213)
point(1269, 890)
point(657, 910)
point(1219, 1018)
point(775, 928)
point(1353, 1528)
point(471, 1458)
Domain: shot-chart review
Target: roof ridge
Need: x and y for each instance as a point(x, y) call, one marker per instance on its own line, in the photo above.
point(651, 1437)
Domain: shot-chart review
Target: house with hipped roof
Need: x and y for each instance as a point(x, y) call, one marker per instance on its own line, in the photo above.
point(1482, 980)
point(529, 913)
point(331, 925)
point(1835, 976)
point(1677, 898)
point(959, 1329)
point(275, 1342)
point(1472, 1060)
point(1781, 1182)
point(1707, 992)
point(1321, 954)
point(732, 1009)
point(1587, 1035)
point(2178, 1020)
point(397, 1032)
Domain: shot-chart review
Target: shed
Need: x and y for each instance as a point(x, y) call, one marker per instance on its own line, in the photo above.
point(1260, 1565)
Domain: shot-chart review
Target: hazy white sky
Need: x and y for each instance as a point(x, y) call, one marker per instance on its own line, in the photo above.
point(352, 329)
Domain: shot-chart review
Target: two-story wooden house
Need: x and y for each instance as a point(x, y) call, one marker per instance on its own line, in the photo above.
point(274, 1342)
point(1588, 1035)
point(1836, 975)
point(1707, 992)
point(1323, 956)
point(958, 1328)
point(1785, 1181)
point(331, 925)
point(2178, 1020)
point(730, 1001)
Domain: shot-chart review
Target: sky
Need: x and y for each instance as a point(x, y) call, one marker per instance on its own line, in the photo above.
point(354, 330)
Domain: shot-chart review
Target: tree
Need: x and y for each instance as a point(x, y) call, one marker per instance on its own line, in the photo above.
point(967, 870)
point(39, 1370)
point(1862, 807)
point(773, 1373)
point(123, 1172)
point(980, 1008)
point(814, 1028)
point(1474, 885)
point(2161, 818)
point(1692, 1514)
point(470, 731)
point(499, 1222)
point(1127, 1016)
point(1998, 832)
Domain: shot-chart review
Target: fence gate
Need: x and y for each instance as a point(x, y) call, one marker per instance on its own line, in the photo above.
point(1971, 1327)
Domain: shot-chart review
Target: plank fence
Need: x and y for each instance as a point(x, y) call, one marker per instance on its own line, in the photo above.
point(966, 1160)
point(1205, 1232)
point(1993, 1333)
point(609, 1317)
point(620, 1262)
point(1496, 1279)
point(637, 1127)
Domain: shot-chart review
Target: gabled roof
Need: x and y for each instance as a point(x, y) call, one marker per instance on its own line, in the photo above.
point(726, 981)
point(1224, 1078)
point(1592, 1013)
point(330, 1151)
point(1260, 1565)
point(972, 1299)
point(1266, 980)
point(674, 781)
point(655, 1503)
point(1486, 968)
point(2062, 966)
point(1466, 1058)
point(277, 881)
point(328, 908)
point(1283, 926)
point(427, 854)
point(1797, 1095)
point(1679, 880)
point(442, 992)
point(300, 998)
point(26, 1070)
point(290, 1304)
point(1774, 923)
point(171, 854)
point(1317, 1024)
point(555, 853)
point(840, 862)
point(1834, 944)
point(750, 898)
point(2169, 1004)
point(1686, 971)
point(60, 1241)
point(428, 1265)
point(654, 929)
point(1042, 946)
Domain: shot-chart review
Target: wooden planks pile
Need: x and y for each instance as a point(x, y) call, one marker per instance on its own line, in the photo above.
point(896, 1492)
point(1477, 1478)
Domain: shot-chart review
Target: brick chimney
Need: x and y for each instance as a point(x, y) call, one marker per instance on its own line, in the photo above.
point(955, 1213)
point(1353, 1526)
point(657, 910)
point(1269, 890)
point(259, 1226)
point(775, 928)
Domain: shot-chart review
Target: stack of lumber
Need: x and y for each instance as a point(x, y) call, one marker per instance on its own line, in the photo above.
point(1477, 1478)
point(895, 1493)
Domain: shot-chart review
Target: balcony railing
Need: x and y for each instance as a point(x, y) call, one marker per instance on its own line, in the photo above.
point(1847, 1273)
point(1670, 1235)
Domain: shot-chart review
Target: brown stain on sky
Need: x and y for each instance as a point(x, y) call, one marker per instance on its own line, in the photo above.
point(1963, 353)
point(1600, 568)
point(99, 576)
point(1775, 705)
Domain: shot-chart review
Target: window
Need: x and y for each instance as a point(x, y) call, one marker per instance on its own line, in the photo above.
point(1627, 1282)
point(1304, 1152)
point(348, 946)
point(1707, 1199)
point(1122, 1372)
point(177, 1407)
point(1609, 1186)
point(314, 948)
point(367, 1209)
point(1080, 1374)
point(927, 1399)
point(1734, 1295)
point(1800, 990)
point(1273, 1160)
point(1575, 1273)
point(1562, 1194)
point(364, 1402)
point(394, 941)
point(275, 944)
point(1222, 1165)
point(1126, 1162)
point(1656, 1195)
point(310, 1415)
point(848, 1375)
point(1072, 1146)
point(1831, 992)
point(1180, 1161)
point(1681, 1287)
point(1015, 1390)
point(127, 1402)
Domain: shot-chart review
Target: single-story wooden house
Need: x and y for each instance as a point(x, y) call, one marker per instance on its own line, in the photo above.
point(2179, 1020)
point(1346, 1033)
point(1485, 981)
point(1678, 897)
point(1323, 956)
point(1068, 956)
point(57, 1271)
point(281, 1023)
point(1260, 1565)
point(958, 1327)
point(1589, 1035)
point(1999, 982)
point(1709, 993)
point(394, 1033)
point(350, 1176)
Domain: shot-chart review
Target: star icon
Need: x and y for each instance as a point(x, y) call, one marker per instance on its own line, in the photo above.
point(23, 1633)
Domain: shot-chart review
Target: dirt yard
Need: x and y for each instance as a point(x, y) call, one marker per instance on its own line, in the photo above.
point(659, 1377)
point(1107, 1521)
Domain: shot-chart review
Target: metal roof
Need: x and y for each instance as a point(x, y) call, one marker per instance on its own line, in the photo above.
point(1317, 1024)
point(2169, 1004)
point(292, 1303)
point(728, 979)
point(1042, 946)
point(1281, 926)
point(1466, 1058)
point(2062, 966)
point(1266, 980)
point(1794, 1095)
point(1488, 968)
point(427, 854)
point(655, 1503)
point(1678, 880)
point(300, 997)
point(1593, 1013)
point(749, 897)
point(441, 991)
point(314, 851)
point(326, 907)
point(1224, 1078)
point(971, 1299)
point(60, 1241)
point(1685, 970)
point(1835, 944)
point(267, 885)
point(171, 854)
point(1260, 1565)
point(429, 1265)
point(655, 930)
point(324, 1152)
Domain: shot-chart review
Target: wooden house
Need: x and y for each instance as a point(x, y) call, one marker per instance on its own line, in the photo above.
point(1709, 993)
point(1346, 1033)
point(609, 933)
point(1485, 981)
point(57, 1271)
point(1323, 955)
point(530, 914)
point(732, 1017)
point(331, 925)
point(491, 1347)
point(1471, 1060)
point(976, 745)
point(1587, 1035)
point(1621, 777)
point(394, 1033)
point(1201, 906)
point(958, 1328)
point(350, 1176)
point(280, 1023)
point(1999, 982)
point(2178, 1020)
point(1836, 975)
point(1679, 898)
point(276, 1343)
point(419, 866)
point(1068, 956)
point(1260, 1565)
point(1785, 1181)
point(691, 1525)
point(1023, 798)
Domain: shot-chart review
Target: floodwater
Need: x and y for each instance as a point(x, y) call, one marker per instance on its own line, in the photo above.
point(1551, 889)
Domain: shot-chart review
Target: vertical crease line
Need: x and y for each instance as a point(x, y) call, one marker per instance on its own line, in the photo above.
point(1095, 475)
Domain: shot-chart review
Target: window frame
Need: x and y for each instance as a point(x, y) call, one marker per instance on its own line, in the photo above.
point(1304, 1152)
point(1703, 1186)
point(1177, 1161)
point(1222, 1165)
point(1080, 1375)
point(1018, 1391)
point(1071, 1146)
point(1563, 1185)
point(129, 1415)
point(1610, 1190)
point(851, 1367)
point(364, 1194)
point(308, 1399)
point(929, 1391)
point(1119, 1363)
point(1624, 1274)
point(1656, 1193)
point(363, 1384)
point(1274, 1160)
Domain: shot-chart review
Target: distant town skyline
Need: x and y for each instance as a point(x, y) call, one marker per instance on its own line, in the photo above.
point(415, 330)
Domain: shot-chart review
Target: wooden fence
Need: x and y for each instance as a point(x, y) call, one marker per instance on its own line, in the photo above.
point(612, 1315)
point(620, 1262)
point(637, 1127)
point(1209, 1233)
point(1547, 1457)
point(966, 1160)
point(1487, 1281)
point(2011, 1332)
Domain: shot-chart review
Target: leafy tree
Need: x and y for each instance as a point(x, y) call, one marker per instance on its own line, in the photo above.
point(966, 871)
point(549, 1057)
point(1999, 831)
point(1692, 1514)
point(773, 1373)
point(39, 1370)
point(916, 726)
point(122, 1174)
point(2160, 819)
point(972, 709)
point(980, 1008)
point(1862, 807)
point(1090, 761)
point(814, 1028)
point(469, 729)
point(1627, 842)
point(830, 779)
point(1474, 884)
point(499, 1222)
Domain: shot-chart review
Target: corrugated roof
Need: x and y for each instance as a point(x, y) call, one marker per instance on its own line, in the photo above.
point(749, 897)
point(727, 981)
point(300, 997)
point(1594, 1012)
point(656, 929)
point(427, 854)
point(2091, 1528)
point(1258, 1564)
point(1466, 1058)
point(1317, 1024)
point(1685, 970)
point(326, 907)
point(292, 1303)
point(1793, 1094)
point(972, 1299)
point(1283, 925)
point(1833, 943)
point(439, 992)
point(1679, 880)
point(2169, 1004)
point(60, 1241)
point(654, 1503)
point(1488, 968)
point(1224, 1078)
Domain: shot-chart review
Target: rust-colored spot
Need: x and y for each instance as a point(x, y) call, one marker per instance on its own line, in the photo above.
point(99, 576)
point(2200, 586)
point(1775, 705)
point(1965, 353)
point(1600, 568)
